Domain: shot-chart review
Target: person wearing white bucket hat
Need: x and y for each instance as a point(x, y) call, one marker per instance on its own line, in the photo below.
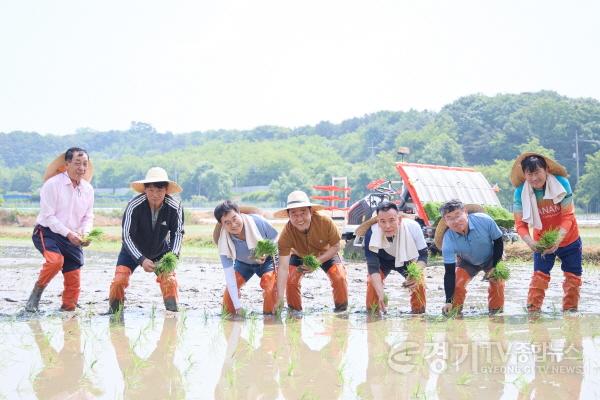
point(152, 226)
point(308, 233)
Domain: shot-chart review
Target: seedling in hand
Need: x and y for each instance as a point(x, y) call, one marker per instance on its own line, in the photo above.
point(311, 263)
point(95, 234)
point(501, 272)
point(547, 240)
point(167, 264)
point(265, 248)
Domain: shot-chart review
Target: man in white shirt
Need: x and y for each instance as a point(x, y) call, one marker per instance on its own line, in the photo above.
point(391, 244)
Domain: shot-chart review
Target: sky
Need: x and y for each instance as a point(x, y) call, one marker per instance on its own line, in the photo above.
point(185, 66)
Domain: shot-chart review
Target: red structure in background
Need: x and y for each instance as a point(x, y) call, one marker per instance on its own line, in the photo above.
point(337, 199)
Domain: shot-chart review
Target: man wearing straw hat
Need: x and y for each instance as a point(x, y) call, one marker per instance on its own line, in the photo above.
point(308, 233)
point(243, 229)
point(544, 201)
point(471, 242)
point(152, 226)
point(66, 216)
point(391, 243)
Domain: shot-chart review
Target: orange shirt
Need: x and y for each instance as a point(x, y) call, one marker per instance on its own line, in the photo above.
point(321, 235)
point(553, 216)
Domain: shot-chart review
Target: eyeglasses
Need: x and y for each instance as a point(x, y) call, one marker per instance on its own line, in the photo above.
point(453, 218)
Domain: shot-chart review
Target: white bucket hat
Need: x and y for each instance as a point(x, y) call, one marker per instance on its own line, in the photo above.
point(297, 199)
point(156, 174)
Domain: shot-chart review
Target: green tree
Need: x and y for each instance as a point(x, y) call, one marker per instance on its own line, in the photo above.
point(434, 144)
point(589, 183)
point(498, 174)
point(534, 146)
point(287, 183)
point(5, 179)
point(21, 181)
point(192, 182)
point(215, 185)
point(114, 174)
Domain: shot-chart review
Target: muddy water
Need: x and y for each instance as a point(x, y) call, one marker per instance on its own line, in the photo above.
point(201, 286)
point(319, 354)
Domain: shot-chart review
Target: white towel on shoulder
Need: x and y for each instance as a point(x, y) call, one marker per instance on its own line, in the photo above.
point(403, 247)
point(554, 191)
point(226, 246)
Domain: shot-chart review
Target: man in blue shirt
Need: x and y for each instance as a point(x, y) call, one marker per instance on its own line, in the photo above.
point(236, 235)
point(470, 242)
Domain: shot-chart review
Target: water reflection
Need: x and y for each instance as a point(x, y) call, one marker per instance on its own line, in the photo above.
point(62, 375)
point(392, 371)
point(315, 370)
point(319, 356)
point(558, 362)
point(249, 372)
point(154, 377)
point(475, 358)
point(298, 359)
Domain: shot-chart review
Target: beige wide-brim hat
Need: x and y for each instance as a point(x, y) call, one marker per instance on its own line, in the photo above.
point(156, 174)
point(442, 227)
point(59, 165)
point(297, 199)
point(517, 177)
point(364, 227)
point(243, 210)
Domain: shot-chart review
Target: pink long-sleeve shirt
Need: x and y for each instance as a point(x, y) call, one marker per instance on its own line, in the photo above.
point(64, 208)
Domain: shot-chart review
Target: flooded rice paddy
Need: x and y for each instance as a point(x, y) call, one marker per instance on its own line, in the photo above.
point(197, 354)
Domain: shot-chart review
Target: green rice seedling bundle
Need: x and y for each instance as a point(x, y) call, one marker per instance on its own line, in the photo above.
point(311, 262)
point(265, 248)
point(548, 240)
point(167, 264)
point(501, 272)
point(95, 234)
point(414, 271)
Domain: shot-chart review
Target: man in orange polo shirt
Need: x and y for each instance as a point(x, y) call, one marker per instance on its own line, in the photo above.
point(544, 201)
point(308, 232)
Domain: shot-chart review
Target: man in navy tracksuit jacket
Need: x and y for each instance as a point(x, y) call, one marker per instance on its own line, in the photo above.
point(152, 226)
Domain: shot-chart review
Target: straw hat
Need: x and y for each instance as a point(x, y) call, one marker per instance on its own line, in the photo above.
point(156, 174)
point(364, 227)
point(441, 228)
point(59, 165)
point(243, 210)
point(297, 199)
point(516, 174)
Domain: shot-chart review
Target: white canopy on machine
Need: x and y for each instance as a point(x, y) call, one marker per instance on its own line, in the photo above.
point(440, 183)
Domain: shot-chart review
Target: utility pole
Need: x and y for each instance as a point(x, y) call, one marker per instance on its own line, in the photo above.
point(577, 154)
point(372, 147)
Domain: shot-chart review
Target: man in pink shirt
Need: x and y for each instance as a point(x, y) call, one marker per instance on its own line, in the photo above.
point(66, 216)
